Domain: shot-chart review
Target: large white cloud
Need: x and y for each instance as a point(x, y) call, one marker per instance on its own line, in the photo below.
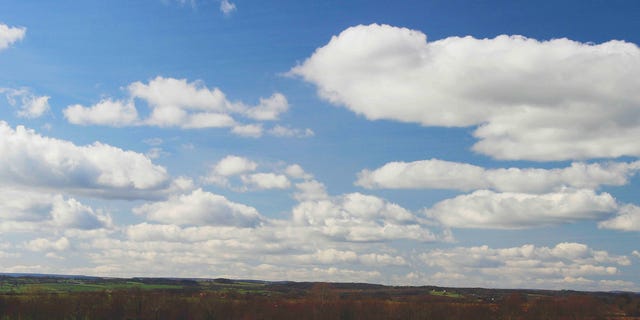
point(359, 217)
point(201, 208)
point(527, 266)
point(9, 35)
point(490, 210)
point(539, 100)
point(439, 174)
point(30, 159)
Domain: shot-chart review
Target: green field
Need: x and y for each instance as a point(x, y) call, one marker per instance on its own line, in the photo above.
point(25, 285)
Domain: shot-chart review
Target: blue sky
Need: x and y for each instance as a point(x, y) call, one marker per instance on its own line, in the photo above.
point(457, 143)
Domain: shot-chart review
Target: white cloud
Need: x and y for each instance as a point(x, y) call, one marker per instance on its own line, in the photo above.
point(227, 7)
point(154, 142)
point(628, 219)
point(536, 100)
point(200, 208)
point(42, 244)
point(490, 210)
point(233, 165)
point(29, 210)
point(269, 109)
point(32, 160)
point(281, 131)
point(21, 205)
point(73, 214)
point(295, 171)
point(348, 257)
point(528, 266)
point(30, 105)
point(310, 190)
point(439, 174)
point(358, 217)
point(105, 112)
point(236, 173)
point(263, 181)
point(248, 130)
point(9, 35)
point(169, 93)
point(155, 153)
point(179, 103)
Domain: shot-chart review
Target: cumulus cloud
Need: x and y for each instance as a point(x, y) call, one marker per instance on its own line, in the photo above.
point(297, 172)
point(106, 112)
point(538, 100)
point(627, 219)
point(32, 160)
point(10, 35)
point(263, 181)
point(248, 130)
point(233, 165)
point(21, 205)
point(310, 190)
point(29, 104)
point(71, 213)
point(28, 210)
point(200, 208)
point(176, 102)
point(490, 210)
point(359, 217)
point(179, 103)
point(439, 174)
point(238, 173)
point(269, 109)
point(526, 266)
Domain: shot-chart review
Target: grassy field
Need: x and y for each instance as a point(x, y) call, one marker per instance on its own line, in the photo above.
point(23, 285)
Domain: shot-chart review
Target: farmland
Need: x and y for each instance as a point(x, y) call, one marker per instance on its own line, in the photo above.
point(49, 297)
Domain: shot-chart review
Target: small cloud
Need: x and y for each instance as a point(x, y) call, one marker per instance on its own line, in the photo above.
point(249, 130)
point(106, 112)
point(227, 7)
point(155, 153)
point(9, 35)
point(188, 146)
point(264, 181)
point(154, 142)
point(234, 165)
point(281, 131)
point(295, 171)
point(30, 105)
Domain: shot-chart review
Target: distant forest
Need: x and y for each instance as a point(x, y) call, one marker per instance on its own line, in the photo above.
point(150, 298)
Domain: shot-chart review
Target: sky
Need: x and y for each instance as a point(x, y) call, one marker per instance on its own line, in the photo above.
point(454, 143)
